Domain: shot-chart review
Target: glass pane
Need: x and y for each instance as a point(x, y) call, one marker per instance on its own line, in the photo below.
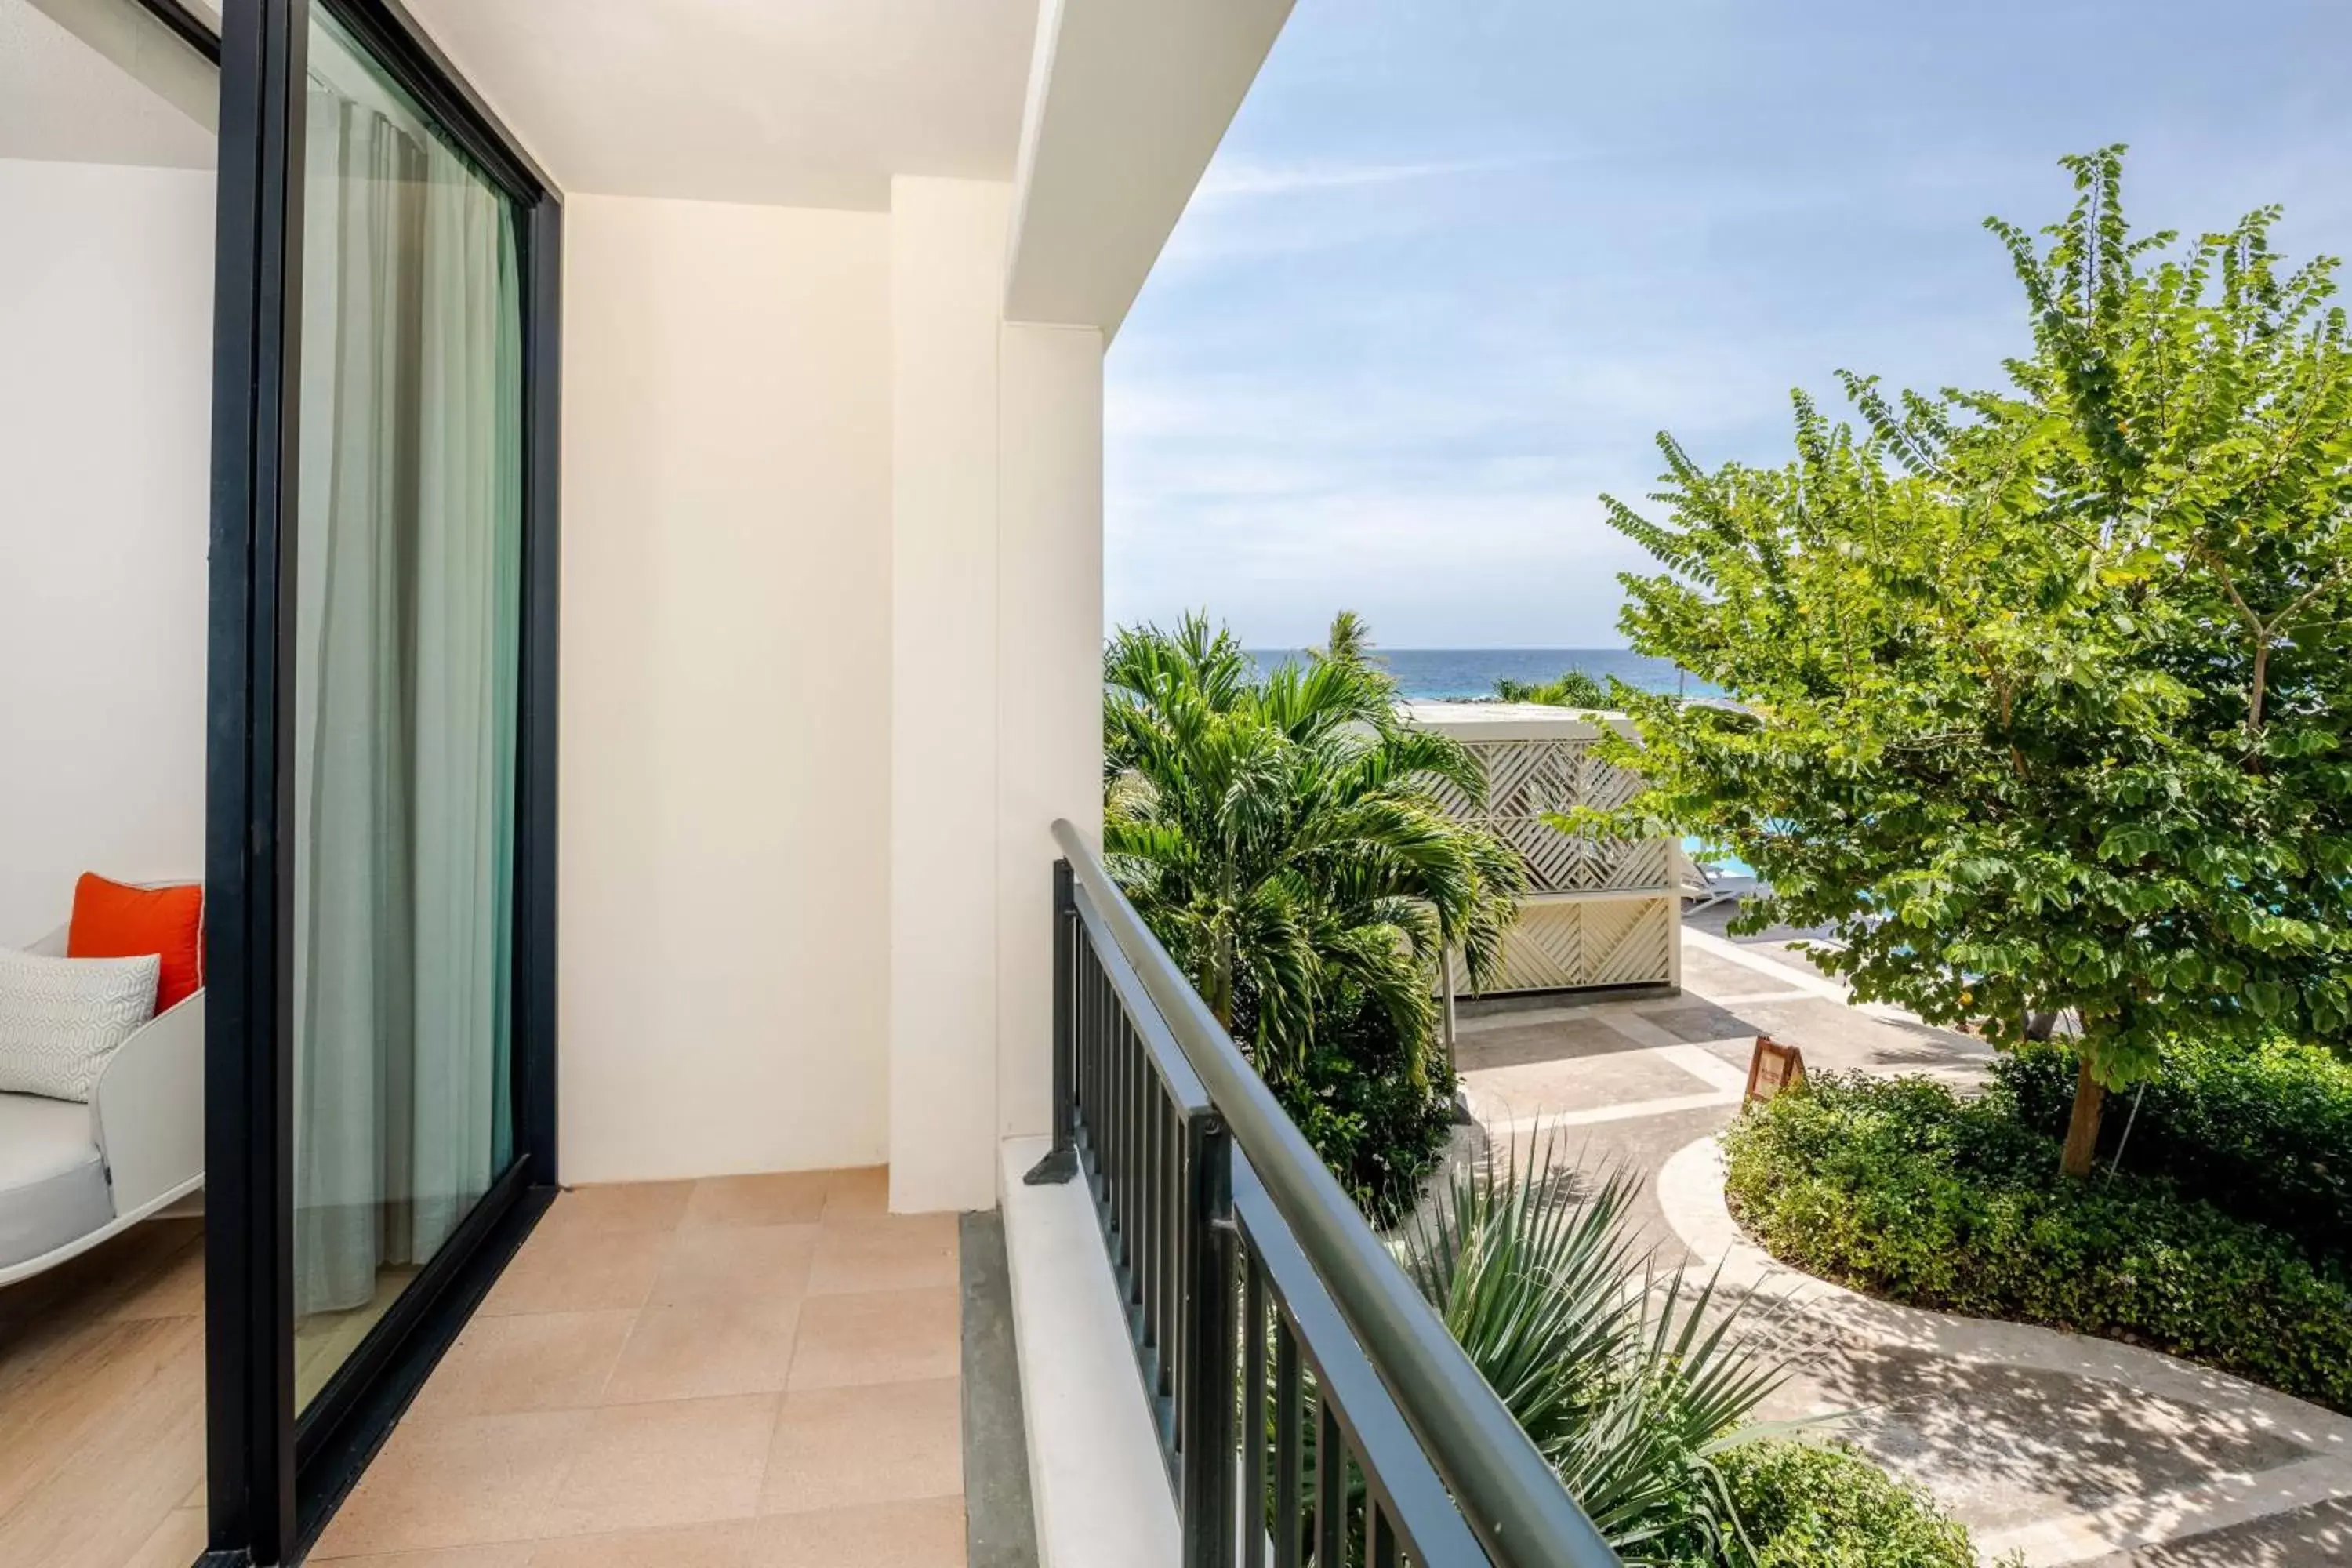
point(407, 601)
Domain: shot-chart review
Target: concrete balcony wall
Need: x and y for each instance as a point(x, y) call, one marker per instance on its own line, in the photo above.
point(996, 718)
point(946, 277)
point(725, 737)
point(832, 622)
point(1049, 650)
point(832, 585)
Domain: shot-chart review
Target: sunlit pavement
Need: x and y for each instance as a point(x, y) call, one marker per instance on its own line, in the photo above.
point(2069, 1469)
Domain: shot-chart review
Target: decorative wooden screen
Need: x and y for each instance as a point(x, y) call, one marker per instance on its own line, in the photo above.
point(1526, 780)
point(1602, 910)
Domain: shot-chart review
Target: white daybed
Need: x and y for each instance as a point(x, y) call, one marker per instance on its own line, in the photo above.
point(72, 1175)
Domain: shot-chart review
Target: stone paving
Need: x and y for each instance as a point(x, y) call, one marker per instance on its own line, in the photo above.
point(2152, 1465)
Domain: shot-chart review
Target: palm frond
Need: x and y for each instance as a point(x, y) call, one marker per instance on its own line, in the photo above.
point(1630, 1379)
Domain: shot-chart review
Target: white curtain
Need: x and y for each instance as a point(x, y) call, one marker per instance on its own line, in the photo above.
point(407, 603)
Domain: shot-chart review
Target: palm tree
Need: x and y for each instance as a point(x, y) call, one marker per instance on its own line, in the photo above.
point(1281, 834)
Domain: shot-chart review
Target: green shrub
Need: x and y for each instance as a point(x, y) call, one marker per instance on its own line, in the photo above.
point(1899, 1188)
point(1379, 1130)
point(1825, 1505)
point(2265, 1135)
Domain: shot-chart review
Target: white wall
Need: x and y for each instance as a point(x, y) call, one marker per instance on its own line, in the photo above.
point(831, 611)
point(1049, 679)
point(105, 452)
point(726, 737)
point(947, 252)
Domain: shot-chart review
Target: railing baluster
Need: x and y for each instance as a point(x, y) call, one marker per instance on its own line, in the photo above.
point(1381, 1540)
point(1133, 1170)
point(1090, 986)
point(1174, 1219)
point(1105, 1032)
point(1330, 1489)
point(1150, 1259)
point(1208, 1335)
point(1158, 1193)
point(1289, 1419)
point(1124, 1115)
point(1090, 1066)
point(1254, 1416)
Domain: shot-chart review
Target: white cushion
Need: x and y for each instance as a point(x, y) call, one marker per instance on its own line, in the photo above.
point(60, 1018)
point(52, 1180)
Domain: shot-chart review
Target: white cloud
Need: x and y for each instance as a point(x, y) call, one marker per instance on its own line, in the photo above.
point(1241, 178)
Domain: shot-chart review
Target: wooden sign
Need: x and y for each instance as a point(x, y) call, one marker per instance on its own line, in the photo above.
point(1772, 1069)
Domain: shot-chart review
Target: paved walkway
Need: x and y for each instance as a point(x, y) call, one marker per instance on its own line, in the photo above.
point(2071, 1450)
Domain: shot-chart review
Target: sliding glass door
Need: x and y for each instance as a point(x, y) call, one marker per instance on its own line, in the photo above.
point(407, 607)
point(380, 853)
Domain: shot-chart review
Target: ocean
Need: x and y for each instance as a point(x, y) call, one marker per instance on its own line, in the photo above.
point(1439, 672)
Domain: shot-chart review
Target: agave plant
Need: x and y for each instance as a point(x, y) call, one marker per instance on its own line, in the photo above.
point(1631, 1379)
point(1284, 836)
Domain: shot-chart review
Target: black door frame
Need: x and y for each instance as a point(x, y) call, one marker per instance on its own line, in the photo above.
point(275, 1477)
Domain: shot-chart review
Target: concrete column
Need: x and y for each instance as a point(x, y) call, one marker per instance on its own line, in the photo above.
point(1049, 677)
point(947, 271)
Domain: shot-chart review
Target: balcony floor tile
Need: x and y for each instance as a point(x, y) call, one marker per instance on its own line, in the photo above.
point(654, 1381)
point(888, 1252)
point(886, 1442)
point(881, 1336)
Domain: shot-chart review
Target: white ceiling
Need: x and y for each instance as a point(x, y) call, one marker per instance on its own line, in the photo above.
point(788, 102)
point(101, 82)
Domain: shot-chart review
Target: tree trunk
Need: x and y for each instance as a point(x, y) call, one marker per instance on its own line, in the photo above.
point(2082, 1127)
point(2041, 1026)
point(1218, 989)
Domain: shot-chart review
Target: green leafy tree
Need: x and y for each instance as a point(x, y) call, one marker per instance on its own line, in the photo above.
point(1282, 837)
point(2044, 690)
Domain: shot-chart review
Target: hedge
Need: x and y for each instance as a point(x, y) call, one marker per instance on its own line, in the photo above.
point(1806, 1505)
point(2263, 1134)
point(1898, 1188)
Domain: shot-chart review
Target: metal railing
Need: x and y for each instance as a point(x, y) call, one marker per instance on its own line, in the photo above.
point(1311, 1408)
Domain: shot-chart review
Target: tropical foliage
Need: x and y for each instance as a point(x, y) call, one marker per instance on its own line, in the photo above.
point(1570, 689)
point(1614, 1371)
point(2044, 687)
point(1641, 1383)
point(1282, 834)
point(1825, 1505)
point(1899, 1187)
point(2265, 1134)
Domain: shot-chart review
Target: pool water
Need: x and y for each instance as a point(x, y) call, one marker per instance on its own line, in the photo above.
point(1724, 862)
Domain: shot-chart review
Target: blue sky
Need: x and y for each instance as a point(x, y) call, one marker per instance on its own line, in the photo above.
point(1459, 261)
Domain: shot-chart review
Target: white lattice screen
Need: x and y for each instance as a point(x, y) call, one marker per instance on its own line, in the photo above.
point(1569, 944)
point(1528, 778)
point(1605, 911)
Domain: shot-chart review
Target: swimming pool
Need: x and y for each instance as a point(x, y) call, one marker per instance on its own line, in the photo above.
point(1723, 862)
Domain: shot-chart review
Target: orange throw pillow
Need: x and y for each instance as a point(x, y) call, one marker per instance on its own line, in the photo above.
point(112, 920)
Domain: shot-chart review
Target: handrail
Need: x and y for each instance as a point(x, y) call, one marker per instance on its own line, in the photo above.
point(1509, 1495)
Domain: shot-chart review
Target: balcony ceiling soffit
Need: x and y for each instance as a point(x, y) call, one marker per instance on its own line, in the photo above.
point(782, 102)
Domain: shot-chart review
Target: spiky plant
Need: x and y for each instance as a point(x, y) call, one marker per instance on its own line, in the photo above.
point(1630, 1378)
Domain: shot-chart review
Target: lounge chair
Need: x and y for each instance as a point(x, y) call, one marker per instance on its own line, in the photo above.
point(1705, 885)
point(72, 1175)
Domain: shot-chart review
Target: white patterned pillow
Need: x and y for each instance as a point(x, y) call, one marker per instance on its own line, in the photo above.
point(61, 1018)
